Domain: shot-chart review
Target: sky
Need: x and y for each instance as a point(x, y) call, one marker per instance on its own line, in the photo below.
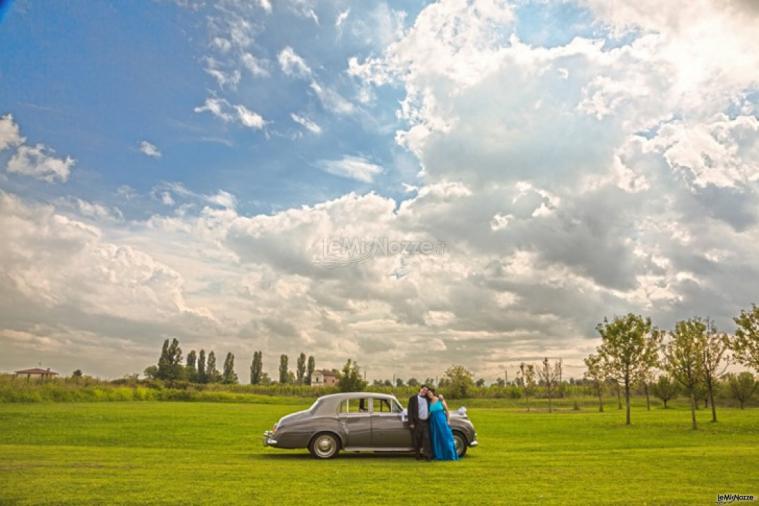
point(410, 184)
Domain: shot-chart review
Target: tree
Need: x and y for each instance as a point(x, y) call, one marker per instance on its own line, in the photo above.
point(229, 376)
point(548, 376)
point(742, 386)
point(151, 372)
point(202, 367)
point(350, 379)
point(77, 375)
point(191, 366)
point(310, 368)
point(713, 346)
point(283, 376)
point(300, 368)
point(597, 376)
point(745, 344)
point(459, 381)
point(683, 358)
point(212, 374)
point(627, 345)
point(399, 382)
point(413, 382)
point(665, 389)
point(164, 362)
point(527, 380)
point(500, 382)
point(256, 368)
point(480, 382)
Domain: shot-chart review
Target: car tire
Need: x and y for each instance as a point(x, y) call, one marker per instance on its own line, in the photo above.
point(461, 443)
point(324, 446)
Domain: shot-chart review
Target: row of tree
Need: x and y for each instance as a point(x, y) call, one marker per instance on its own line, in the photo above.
point(197, 369)
point(201, 369)
point(693, 355)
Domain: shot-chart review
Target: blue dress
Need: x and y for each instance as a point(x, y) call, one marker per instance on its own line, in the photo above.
point(441, 437)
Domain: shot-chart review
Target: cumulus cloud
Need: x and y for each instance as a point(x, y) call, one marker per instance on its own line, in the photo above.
point(10, 134)
point(559, 185)
point(150, 150)
point(38, 162)
point(353, 167)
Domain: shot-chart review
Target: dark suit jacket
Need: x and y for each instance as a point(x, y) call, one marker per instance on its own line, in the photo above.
point(413, 409)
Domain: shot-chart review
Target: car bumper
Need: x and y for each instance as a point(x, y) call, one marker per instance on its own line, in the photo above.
point(269, 439)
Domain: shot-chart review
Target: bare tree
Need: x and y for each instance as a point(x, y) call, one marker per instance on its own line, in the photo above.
point(597, 376)
point(548, 377)
point(527, 379)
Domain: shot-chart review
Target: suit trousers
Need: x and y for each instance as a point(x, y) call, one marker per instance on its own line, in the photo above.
point(420, 438)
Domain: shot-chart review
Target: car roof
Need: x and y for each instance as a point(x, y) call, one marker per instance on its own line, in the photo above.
point(357, 395)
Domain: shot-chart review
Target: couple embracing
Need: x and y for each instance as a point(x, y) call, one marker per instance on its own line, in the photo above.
point(428, 420)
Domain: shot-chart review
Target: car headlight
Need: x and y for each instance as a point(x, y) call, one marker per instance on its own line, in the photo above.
point(274, 429)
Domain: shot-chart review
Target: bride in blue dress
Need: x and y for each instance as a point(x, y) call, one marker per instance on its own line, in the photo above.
point(441, 437)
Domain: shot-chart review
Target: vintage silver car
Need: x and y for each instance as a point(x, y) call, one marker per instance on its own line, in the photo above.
point(357, 422)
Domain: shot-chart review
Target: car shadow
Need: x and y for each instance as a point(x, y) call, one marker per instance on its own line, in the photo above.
point(341, 456)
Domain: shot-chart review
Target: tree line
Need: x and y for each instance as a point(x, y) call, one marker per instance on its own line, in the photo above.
point(199, 368)
point(691, 357)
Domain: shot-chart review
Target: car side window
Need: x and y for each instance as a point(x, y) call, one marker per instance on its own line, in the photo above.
point(381, 406)
point(355, 406)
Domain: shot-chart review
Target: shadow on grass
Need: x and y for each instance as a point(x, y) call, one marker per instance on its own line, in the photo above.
point(342, 456)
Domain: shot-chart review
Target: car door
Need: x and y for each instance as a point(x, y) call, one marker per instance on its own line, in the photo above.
point(388, 428)
point(355, 420)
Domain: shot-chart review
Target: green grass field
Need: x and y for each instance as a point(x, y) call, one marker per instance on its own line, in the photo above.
point(211, 453)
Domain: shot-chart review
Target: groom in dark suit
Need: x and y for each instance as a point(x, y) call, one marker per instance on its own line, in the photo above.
point(418, 422)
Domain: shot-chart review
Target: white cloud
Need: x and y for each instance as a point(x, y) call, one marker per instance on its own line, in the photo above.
point(341, 17)
point(149, 149)
point(249, 118)
point(292, 64)
point(265, 5)
point(227, 112)
point(37, 161)
point(332, 100)
point(216, 107)
point(256, 67)
point(353, 167)
point(306, 123)
point(10, 134)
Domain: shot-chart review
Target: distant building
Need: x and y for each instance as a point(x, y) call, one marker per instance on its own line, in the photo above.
point(324, 378)
point(43, 374)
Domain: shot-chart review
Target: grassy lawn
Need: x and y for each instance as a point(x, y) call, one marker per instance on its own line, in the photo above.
point(211, 453)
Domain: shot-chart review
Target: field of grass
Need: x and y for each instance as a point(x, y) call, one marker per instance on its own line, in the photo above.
point(211, 453)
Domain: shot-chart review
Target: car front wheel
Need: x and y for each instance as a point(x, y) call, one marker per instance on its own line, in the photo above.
point(461, 444)
point(324, 446)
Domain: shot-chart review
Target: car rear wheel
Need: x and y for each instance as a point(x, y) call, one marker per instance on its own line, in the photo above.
point(324, 446)
point(461, 443)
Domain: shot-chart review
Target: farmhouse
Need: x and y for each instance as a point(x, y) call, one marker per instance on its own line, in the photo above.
point(43, 374)
point(324, 378)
